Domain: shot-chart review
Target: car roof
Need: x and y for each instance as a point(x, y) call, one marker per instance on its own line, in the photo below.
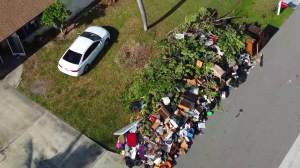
point(100, 31)
point(81, 44)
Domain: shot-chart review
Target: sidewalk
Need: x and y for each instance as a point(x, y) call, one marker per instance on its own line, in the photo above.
point(31, 136)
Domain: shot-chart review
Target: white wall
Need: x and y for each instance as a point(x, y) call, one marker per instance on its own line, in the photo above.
point(75, 6)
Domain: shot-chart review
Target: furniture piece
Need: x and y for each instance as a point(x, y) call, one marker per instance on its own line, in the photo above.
point(199, 109)
point(251, 47)
point(190, 96)
point(155, 124)
point(163, 112)
point(258, 34)
point(185, 105)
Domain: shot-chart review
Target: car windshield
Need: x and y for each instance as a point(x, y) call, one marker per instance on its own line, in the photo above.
point(72, 57)
point(91, 36)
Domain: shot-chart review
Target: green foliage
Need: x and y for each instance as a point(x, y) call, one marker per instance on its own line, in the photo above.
point(163, 74)
point(55, 15)
point(232, 41)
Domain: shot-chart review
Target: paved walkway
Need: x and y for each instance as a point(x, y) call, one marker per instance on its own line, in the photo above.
point(32, 137)
point(262, 134)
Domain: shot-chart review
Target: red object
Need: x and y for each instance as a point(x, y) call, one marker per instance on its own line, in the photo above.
point(285, 5)
point(59, 65)
point(153, 118)
point(131, 139)
point(75, 70)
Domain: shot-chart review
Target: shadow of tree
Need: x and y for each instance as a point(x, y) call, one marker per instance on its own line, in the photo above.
point(88, 15)
point(168, 13)
point(75, 156)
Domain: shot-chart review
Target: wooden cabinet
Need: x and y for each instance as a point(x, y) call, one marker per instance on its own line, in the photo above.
point(251, 47)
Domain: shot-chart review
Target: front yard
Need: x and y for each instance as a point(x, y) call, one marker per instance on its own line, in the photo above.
point(93, 102)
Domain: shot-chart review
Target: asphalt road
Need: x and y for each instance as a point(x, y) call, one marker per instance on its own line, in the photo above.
point(262, 134)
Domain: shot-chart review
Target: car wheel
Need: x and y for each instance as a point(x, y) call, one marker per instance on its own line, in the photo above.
point(86, 68)
point(106, 42)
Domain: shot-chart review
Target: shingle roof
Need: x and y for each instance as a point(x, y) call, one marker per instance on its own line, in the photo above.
point(16, 13)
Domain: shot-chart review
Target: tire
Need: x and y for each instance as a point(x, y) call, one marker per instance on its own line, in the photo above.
point(86, 68)
point(106, 42)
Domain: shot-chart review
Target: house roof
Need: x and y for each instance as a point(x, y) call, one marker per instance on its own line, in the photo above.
point(16, 13)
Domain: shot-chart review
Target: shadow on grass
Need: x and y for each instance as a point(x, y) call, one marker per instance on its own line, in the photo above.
point(88, 15)
point(12, 62)
point(114, 35)
point(167, 14)
point(74, 156)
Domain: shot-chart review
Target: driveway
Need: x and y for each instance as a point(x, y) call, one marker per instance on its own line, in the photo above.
point(32, 137)
point(263, 119)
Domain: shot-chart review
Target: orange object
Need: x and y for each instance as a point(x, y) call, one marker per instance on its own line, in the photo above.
point(251, 46)
point(166, 165)
point(199, 64)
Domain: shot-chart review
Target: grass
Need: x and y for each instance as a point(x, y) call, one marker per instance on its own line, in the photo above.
point(93, 102)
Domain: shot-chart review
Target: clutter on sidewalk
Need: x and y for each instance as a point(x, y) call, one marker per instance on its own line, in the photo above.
point(187, 85)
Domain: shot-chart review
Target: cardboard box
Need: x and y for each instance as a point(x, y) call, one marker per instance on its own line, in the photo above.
point(122, 139)
point(191, 81)
point(218, 71)
point(184, 145)
point(155, 124)
point(163, 112)
point(199, 64)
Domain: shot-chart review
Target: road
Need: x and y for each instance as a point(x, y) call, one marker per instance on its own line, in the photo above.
point(263, 133)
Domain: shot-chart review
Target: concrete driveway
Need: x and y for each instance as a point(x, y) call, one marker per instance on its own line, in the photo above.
point(262, 134)
point(32, 137)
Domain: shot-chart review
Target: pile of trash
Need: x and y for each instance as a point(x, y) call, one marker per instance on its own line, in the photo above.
point(157, 138)
point(173, 128)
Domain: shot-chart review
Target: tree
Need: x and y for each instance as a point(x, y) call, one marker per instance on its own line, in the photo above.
point(55, 15)
point(143, 13)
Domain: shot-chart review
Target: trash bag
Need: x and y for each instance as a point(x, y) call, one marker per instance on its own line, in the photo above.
point(130, 163)
point(242, 76)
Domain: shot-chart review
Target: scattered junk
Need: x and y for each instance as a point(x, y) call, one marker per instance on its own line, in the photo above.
point(174, 127)
point(159, 139)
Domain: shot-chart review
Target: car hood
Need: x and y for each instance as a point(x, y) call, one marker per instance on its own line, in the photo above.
point(67, 65)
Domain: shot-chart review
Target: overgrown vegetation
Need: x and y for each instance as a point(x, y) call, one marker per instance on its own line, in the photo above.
point(163, 74)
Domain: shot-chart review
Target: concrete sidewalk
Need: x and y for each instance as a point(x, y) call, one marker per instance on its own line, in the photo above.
point(32, 137)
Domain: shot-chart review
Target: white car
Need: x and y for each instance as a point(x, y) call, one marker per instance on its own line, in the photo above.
point(77, 59)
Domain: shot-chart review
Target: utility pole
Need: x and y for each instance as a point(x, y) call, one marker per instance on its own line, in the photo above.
point(143, 13)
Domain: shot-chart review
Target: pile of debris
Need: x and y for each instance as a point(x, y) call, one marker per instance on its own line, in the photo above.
point(165, 129)
point(173, 128)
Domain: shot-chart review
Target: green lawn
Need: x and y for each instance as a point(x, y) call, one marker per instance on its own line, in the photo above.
point(93, 102)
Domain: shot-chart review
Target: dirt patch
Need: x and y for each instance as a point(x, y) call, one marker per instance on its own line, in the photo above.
point(39, 87)
point(133, 55)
